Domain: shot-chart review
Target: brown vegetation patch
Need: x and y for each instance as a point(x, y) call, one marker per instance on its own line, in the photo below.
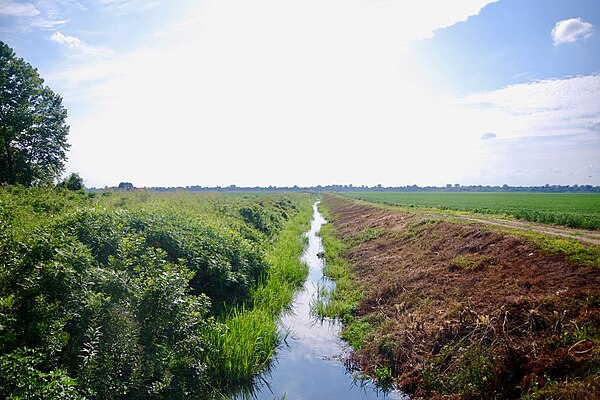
point(465, 310)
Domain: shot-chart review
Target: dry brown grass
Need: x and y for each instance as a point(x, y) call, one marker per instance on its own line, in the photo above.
point(460, 309)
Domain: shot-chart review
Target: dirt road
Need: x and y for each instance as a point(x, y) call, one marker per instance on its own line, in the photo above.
point(583, 235)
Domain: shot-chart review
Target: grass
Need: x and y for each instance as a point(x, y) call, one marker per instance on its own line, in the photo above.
point(575, 210)
point(244, 343)
point(571, 249)
point(248, 338)
point(341, 300)
point(466, 370)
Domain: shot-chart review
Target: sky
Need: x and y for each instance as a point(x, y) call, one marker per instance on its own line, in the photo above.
point(318, 92)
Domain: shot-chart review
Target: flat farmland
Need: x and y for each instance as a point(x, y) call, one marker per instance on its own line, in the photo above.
point(575, 210)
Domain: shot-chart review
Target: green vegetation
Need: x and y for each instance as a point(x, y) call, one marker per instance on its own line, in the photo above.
point(33, 131)
point(341, 301)
point(248, 334)
point(72, 182)
point(576, 210)
point(466, 369)
point(572, 249)
point(142, 295)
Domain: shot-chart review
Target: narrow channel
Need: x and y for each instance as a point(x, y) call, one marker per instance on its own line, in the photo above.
point(310, 364)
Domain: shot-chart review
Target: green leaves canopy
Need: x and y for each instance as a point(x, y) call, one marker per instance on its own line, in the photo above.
point(33, 131)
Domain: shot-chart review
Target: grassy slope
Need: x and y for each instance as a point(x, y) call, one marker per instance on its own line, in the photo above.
point(454, 308)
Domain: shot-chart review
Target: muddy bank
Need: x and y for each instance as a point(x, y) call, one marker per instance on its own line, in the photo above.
point(462, 310)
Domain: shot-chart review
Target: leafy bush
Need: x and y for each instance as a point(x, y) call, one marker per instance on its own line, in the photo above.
point(114, 296)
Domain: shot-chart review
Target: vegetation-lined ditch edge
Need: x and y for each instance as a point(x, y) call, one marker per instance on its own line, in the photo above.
point(143, 295)
point(446, 308)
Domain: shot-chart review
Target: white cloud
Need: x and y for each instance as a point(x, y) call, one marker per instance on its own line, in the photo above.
point(549, 107)
point(571, 30)
point(79, 49)
point(128, 6)
point(70, 41)
point(13, 8)
point(46, 24)
point(545, 132)
point(30, 16)
point(57, 9)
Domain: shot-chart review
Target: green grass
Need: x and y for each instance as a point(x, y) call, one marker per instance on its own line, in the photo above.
point(575, 210)
point(343, 298)
point(341, 301)
point(569, 248)
point(248, 338)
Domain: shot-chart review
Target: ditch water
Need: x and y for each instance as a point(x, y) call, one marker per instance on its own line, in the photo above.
point(311, 363)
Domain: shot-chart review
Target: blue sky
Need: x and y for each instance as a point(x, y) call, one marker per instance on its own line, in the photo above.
point(281, 92)
point(509, 42)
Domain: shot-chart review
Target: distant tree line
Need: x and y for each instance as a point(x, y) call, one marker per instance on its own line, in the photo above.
point(377, 188)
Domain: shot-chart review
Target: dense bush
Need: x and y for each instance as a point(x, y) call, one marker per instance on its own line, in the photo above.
point(111, 296)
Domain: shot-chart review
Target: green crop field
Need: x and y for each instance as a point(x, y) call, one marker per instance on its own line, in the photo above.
point(576, 210)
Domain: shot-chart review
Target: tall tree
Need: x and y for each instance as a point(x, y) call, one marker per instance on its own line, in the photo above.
point(33, 132)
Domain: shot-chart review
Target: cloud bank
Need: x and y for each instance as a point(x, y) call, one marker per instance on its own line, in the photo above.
point(566, 106)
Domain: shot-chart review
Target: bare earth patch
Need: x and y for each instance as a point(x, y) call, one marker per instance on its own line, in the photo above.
point(464, 311)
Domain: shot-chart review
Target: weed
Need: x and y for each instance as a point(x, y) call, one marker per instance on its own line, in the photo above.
point(470, 262)
point(248, 338)
point(384, 378)
point(460, 369)
point(365, 236)
point(357, 332)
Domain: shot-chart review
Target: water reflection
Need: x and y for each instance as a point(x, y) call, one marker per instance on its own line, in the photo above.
point(311, 362)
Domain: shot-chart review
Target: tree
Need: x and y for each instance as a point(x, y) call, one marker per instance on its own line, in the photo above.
point(33, 132)
point(73, 182)
point(125, 186)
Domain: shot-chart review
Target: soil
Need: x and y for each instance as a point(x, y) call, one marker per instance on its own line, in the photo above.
point(463, 310)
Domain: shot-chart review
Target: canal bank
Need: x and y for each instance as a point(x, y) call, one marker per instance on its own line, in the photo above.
point(311, 362)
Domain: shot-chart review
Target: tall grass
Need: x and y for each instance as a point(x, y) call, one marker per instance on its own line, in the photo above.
point(341, 300)
point(244, 343)
point(248, 335)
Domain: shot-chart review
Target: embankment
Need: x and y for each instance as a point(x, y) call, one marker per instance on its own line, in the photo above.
point(461, 310)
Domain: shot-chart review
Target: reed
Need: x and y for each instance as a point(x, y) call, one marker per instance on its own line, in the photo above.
point(248, 335)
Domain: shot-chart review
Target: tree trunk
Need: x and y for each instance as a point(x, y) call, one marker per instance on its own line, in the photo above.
point(9, 160)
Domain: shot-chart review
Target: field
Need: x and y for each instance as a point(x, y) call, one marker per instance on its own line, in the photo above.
point(567, 209)
point(140, 294)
